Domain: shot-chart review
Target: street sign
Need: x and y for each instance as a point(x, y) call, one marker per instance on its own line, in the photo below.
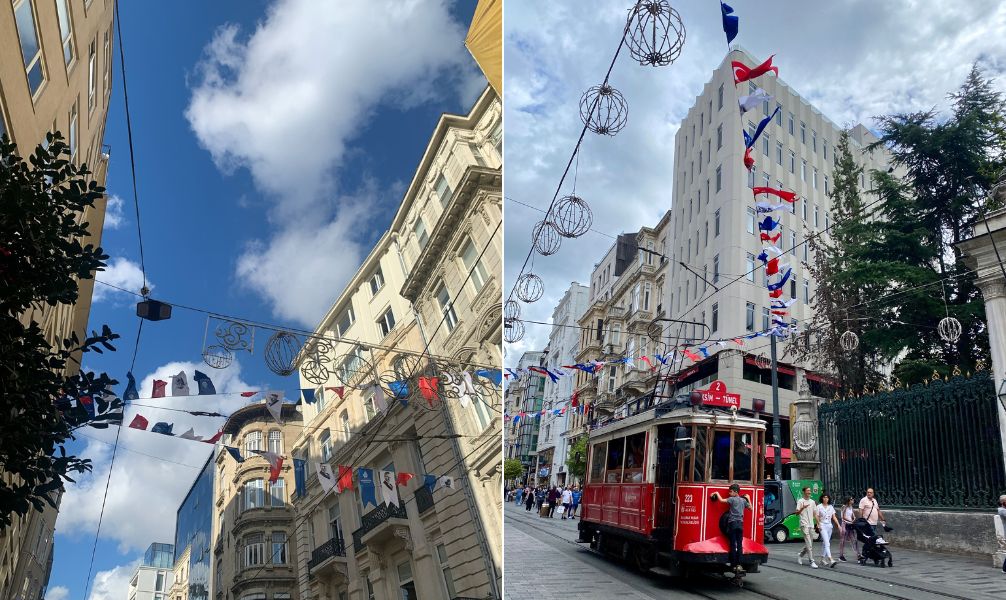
point(717, 395)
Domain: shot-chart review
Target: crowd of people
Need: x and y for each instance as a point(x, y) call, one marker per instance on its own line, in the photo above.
point(821, 518)
point(562, 499)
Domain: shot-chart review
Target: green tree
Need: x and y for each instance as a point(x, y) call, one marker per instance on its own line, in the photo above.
point(41, 261)
point(576, 463)
point(512, 469)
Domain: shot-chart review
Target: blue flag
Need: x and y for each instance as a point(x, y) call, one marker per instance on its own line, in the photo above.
point(768, 224)
point(368, 493)
point(163, 427)
point(308, 395)
point(493, 375)
point(205, 385)
point(749, 140)
point(777, 285)
point(234, 453)
point(300, 476)
point(730, 21)
point(430, 481)
point(131, 393)
point(400, 390)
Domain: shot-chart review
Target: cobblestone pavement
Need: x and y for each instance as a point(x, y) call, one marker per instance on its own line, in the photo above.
point(543, 562)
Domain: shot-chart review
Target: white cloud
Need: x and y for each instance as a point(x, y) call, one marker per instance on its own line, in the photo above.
point(287, 101)
point(58, 592)
point(138, 480)
point(873, 58)
point(110, 585)
point(113, 212)
point(120, 272)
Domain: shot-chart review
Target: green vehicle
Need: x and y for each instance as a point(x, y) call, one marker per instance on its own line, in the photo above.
point(780, 503)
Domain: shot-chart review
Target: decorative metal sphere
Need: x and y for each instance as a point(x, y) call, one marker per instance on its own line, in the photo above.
point(763, 362)
point(281, 351)
point(849, 341)
point(950, 329)
point(655, 33)
point(572, 217)
point(218, 357)
point(546, 238)
point(604, 110)
point(530, 288)
point(511, 310)
point(513, 331)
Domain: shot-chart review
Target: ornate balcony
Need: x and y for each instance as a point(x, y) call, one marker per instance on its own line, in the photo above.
point(424, 499)
point(321, 556)
point(378, 522)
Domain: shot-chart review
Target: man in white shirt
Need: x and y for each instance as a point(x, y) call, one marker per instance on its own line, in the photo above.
point(869, 509)
point(567, 501)
point(807, 509)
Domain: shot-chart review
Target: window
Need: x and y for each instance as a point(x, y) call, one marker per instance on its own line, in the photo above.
point(92, 73)
point(106, 78)
point(803, 132)
point(719, 136)
point(792, 162)
point(700, 162)
point(344, 420)
point(764, 318)
point(750, 220)
point(750, 266)
point(827, 222)
point(254, 493)
point(862, 180)
point(706, 243)
point(477, 155)
point(719, 98)
point(716, 269)
point(791, 123)
point(824, 147)
point(750, 316)
point(442, 553)
point(806, 291)
point(497, 138)
point(419, 228)
point(827, 190)
point(803, 170)
point(778, 114)
point(66, 30)
point(474, 265)
point(816, 214)
point(31, 52)
point(346, 320)
point(752, 174)
point(254, 550)
point(159, 583)
point(446, 308)
point(277, 493)
point(814, 178)
point(278, 548)
point(719, 178)
point(376, 282)
point(611, 378)
point(767, 180)
point(386, 323)
point(764, 144)
point(334, 521)
point(803, 208)
point(805, 247)
point(715, 325)
point(275, 442)
point(742, 457)
point(716, 223)
point(813, 140)
point(253, 441)
point(709, 115)
point(325, 441)
point(646, 296)
point(369, 407)
point(702, 124)
point(707, 191)
point(443, 190)
point(778, 153)
point(3, 123)
point(792, 287)
point(73, 132)
point(616, 331)
point(792, 243)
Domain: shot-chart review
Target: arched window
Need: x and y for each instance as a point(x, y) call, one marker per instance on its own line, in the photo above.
point(275, 441)
point(253, 441)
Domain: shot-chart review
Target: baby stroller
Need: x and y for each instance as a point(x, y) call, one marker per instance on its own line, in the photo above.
point(874, 546)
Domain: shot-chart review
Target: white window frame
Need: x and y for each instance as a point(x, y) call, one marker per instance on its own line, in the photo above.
point(479, 274)
point(446, 307)
point(325, 442)
point(279, 549)
point(254, 494)
point(254, 550)
point(386, 323)
point(274, 441)
point(39, 57)
point(277, 493)
point(443, 190)
point(66, 36)
point(376, 282)
point(422, 236)
point(749, 309)
point(92, 74)
point(253, 441)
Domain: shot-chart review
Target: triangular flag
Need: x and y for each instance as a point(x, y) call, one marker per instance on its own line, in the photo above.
point(378, 397)
point(163, 428)
point(730, 21)
point(205, 384)
point(345, 478)
point(274, 402)
point(131, 393)
point(190, 435)
point(248, 394)
point(389, 491)
point(308, 395)
point(159, 387)
point(138, 422)
point(234, 453)
point(428, 388)
point(180, 385)
point(430, 481)
point(275, 465)
point(575, 401)
point(403, 478)
point(215, 438)
point(445, 482)
point(368, 493)
point(340, 390)
point(325, 477)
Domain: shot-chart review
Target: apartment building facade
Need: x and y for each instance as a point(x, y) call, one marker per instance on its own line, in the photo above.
point(714, 227)
point(55, 75)
point(154, 576)
point(424, 304)
point(527, 392)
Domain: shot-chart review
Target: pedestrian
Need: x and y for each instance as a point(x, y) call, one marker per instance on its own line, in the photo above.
point(567, 503)
point(520, 496)
point(576, 499)
point(735, 522)
point(869, 509)
point(553, 501)
point(539, 499)
point(528, 499)
point(826, 518)
point(805, 507)
point(1002, 515)
point(848, 533)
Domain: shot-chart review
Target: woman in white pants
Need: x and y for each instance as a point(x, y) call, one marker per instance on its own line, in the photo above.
point(827, 520)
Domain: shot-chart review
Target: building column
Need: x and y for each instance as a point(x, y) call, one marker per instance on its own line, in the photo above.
point(993, 289)
point(425, 572)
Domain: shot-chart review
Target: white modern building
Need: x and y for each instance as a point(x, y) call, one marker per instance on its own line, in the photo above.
point(153, 577)
point(563, 342)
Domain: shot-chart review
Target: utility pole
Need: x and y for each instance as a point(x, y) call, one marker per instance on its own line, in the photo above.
point(776, 432)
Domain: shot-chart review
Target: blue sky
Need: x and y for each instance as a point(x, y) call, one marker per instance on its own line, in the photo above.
point(272, 145)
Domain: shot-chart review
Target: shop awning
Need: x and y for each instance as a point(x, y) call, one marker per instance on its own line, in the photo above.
point(787, 455)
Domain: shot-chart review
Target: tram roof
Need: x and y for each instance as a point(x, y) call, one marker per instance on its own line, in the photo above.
point(676, 411)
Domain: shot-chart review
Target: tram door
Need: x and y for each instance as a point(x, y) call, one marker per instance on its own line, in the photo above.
point(667, 472)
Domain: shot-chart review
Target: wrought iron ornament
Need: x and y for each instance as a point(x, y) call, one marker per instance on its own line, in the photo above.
point(530, 288)
point(235, 335)
point(217, 357)
point(513, 331)
point(655, 331)
point(849, 341)
point(511, 310)
point(281, 352)
point(949, 329)
point(546, 238)
point(655, 33)
point(572, 217)
point(610, 110)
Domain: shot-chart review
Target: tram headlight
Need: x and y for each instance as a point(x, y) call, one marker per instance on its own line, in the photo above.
point(758, 404)
point(695, 398)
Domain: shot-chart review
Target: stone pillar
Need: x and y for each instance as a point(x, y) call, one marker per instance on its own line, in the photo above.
point(803, 435)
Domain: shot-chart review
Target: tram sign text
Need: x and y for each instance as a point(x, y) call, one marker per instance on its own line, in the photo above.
point(717, 395)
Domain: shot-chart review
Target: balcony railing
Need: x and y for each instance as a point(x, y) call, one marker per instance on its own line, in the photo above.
point(373, 520)
point(424, 499)
point(333, 547)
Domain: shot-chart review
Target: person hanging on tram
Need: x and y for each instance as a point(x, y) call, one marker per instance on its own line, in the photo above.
point(735, 522)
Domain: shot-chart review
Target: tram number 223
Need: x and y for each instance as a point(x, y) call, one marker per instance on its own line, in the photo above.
point(688, 498)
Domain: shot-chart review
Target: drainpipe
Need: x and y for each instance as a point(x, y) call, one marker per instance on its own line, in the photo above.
point(452, 430)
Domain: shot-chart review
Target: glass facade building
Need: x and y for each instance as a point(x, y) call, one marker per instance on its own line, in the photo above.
point(193, 527)
point(161, 556)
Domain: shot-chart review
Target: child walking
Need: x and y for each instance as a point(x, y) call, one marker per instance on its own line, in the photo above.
point(848, 533)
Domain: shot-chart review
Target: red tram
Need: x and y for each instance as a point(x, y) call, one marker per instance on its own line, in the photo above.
point(649, 480)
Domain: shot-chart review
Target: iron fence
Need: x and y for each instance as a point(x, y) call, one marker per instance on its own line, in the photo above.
point(934, 446)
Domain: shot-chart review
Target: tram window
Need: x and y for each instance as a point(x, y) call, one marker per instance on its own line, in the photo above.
point(721, 455)
point(634, 456)
point(616, 452)
point(597, 458)
point(700, 452)
point(742, 457)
